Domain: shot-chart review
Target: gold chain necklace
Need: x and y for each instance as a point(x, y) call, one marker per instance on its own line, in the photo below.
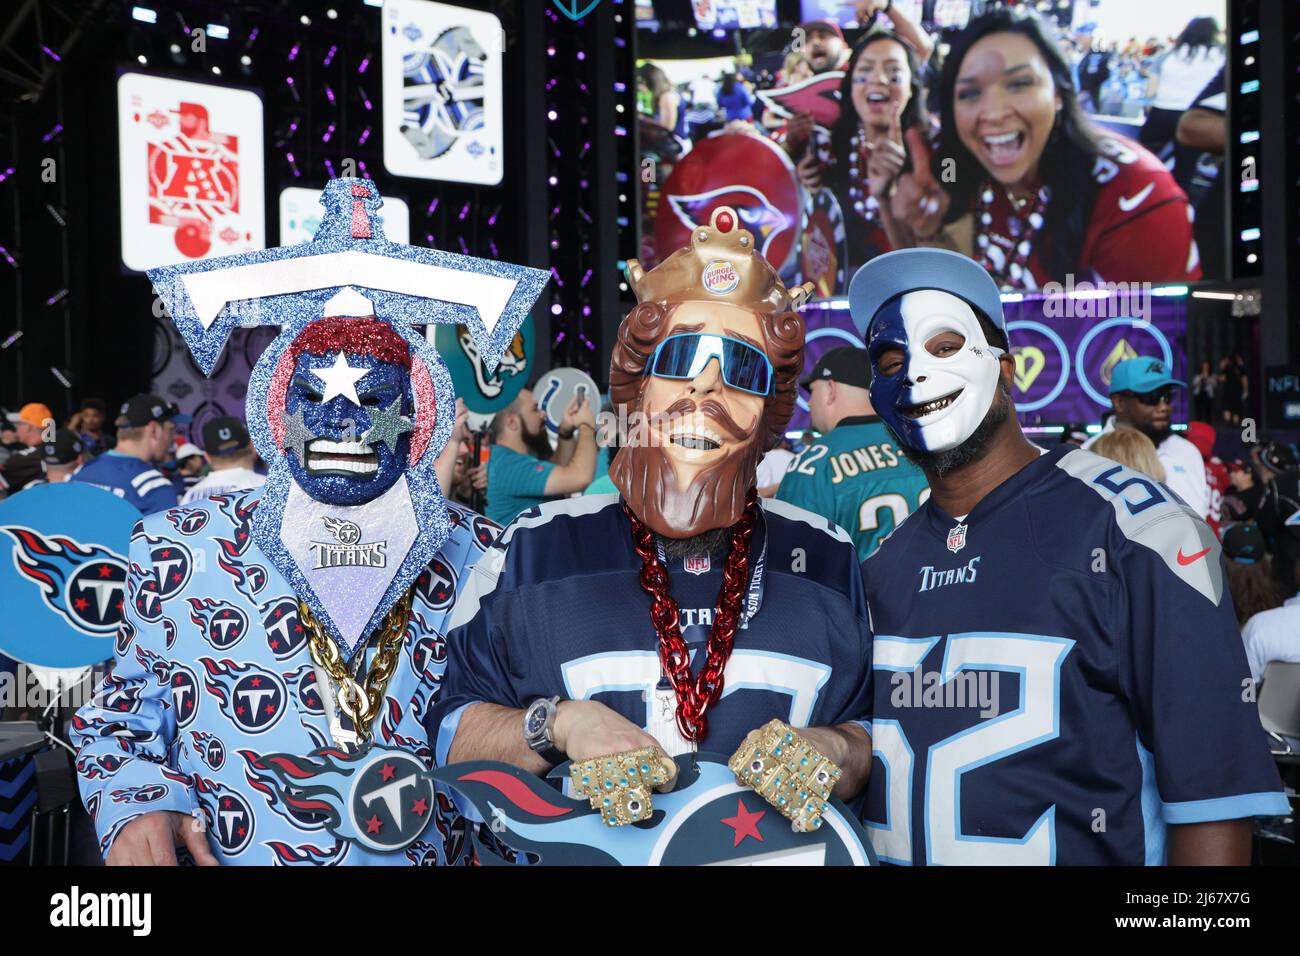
point(361, 702)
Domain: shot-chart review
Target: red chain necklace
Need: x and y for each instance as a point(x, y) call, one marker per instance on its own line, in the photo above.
point(694, 697)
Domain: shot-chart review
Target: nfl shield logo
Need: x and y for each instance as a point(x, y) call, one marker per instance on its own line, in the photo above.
point(957, 538)
point(697, 563)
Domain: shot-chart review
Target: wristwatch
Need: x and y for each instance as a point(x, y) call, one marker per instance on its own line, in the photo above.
point(539, 729)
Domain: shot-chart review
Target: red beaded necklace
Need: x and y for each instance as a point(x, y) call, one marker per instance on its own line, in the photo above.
point(696, 696)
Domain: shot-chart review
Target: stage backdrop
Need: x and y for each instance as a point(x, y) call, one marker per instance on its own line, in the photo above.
point(1063, 362)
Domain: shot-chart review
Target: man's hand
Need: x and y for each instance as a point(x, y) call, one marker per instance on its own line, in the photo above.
point(151, 840)
point(587, 728)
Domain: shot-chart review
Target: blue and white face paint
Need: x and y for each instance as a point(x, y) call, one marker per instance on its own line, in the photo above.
point(935, 373)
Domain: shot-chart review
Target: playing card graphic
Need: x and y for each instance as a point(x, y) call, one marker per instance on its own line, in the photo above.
point(191, 170)
point(301, 211)
point(442, 92)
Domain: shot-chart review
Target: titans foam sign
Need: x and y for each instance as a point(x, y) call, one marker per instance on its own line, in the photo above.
point(63, 573)
point(709, 819)
point(349, 406)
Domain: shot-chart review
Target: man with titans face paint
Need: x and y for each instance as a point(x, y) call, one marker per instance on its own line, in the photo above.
point(1057, 666)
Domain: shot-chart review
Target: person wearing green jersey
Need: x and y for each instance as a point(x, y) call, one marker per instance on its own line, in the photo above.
point(855, 474)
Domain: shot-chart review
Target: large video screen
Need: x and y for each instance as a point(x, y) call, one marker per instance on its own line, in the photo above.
point(1076, 147)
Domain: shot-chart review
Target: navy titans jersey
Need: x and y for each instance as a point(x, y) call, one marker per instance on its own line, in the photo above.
point(556, 609)
point(1058, 677)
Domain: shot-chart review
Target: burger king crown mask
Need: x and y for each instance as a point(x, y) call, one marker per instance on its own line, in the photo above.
point(349, 406)
point(720, 265)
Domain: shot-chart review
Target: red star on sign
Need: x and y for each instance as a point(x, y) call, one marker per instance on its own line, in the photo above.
point(387, 771)
point(105, 570)
point(373, 825)
point(419, 807)
point(745, 823)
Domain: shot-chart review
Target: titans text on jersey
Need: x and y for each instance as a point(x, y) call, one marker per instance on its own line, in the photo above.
point(556, 609)
point(1107, 691)
point(213, 673)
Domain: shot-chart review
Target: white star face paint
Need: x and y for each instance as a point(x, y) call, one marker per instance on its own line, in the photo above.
point(938, 392)
point(340, 379)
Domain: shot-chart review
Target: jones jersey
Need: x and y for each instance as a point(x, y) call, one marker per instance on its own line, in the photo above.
point(1058, 677)
point(557, 609)
point(856, 475)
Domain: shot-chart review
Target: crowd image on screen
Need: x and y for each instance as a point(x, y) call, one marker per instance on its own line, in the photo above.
point(1041, 149)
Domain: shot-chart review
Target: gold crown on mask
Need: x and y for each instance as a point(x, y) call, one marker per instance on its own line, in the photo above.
point(722, 264)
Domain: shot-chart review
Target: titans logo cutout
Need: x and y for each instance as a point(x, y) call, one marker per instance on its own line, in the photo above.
point(252, 699)
point(350, 405)
point(284, 635)
point(382, 799)
point(707, 819)
point(85, 583)
point(172, 566)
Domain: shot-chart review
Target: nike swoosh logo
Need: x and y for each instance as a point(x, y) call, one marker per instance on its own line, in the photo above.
point(1186, 559)
point(1129, 203)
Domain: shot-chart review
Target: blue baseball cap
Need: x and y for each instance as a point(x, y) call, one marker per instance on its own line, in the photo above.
point(910, 270)
point(1141, 375)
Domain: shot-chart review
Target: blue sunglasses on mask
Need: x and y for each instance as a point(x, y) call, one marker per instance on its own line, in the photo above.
point(685, 356)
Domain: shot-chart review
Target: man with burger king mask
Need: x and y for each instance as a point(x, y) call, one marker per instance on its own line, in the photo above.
point(1058, 669)
point(682, 613)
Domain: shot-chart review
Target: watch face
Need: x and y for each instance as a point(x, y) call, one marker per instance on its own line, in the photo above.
point(536, 721)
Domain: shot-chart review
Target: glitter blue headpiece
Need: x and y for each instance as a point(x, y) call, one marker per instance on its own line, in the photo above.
point(354, 270)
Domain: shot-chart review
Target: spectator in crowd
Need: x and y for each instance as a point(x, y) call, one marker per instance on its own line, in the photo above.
point(702, 115)
point(1141, 393)
point(855, 474)
point(1093, 71)
point(231, 458)
point(1241, 501)
point(146, 427)
point(868, 13)
point(189, 467)
point(772, 468)
point(736, 100)
point(1075, 433)
point(1217, 481)
point(522, 471)
point(1203, 130)
point(1273, 635)
point(90, 423)
point(1203, 387)
point(1279, 510)
point(1132, 449)
point(1234, 386)
point(1176, 80)
point(1250, 579)
point(1037, 190)
point(60, 458)
point(796, 68)
point(824, 45)
point(33, 425)
point(668, 111)
point(879, 156)
point(1124, 94)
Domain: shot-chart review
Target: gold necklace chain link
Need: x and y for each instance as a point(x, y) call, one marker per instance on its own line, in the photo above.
point(360, 701)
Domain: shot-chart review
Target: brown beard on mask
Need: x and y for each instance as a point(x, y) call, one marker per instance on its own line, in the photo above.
point(647, 479)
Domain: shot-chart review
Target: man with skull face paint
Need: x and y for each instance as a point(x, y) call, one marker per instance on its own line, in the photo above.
point(1058, 669)
point(281, 646)
point(554, 650)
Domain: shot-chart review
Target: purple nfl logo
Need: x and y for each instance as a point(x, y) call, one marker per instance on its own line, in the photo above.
point(697, 563)
point(957, 538)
